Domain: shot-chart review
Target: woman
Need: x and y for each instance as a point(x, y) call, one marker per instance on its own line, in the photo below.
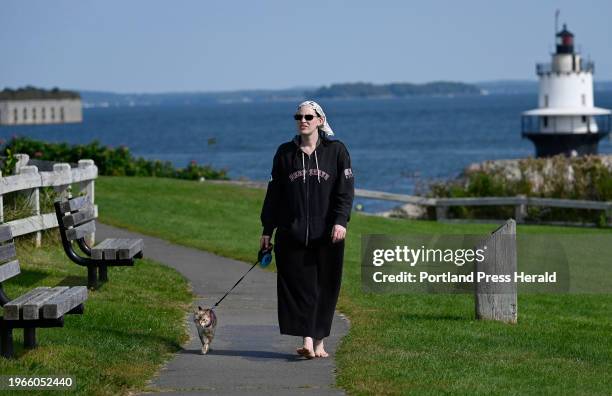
point(308, 202)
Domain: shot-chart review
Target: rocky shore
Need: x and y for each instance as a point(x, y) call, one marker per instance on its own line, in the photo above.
point(587, 177)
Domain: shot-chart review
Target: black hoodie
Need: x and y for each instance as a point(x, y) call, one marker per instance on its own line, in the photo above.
point(308, 194)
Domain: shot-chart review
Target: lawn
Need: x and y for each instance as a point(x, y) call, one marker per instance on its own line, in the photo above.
point(397, 344)
point(131, 325)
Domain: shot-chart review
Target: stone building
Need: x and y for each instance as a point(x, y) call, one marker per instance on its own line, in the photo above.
point(30, 105)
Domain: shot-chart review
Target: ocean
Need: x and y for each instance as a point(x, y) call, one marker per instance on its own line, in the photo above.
point(396, 145)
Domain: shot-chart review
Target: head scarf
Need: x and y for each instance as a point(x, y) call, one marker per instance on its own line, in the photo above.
point(319, 110)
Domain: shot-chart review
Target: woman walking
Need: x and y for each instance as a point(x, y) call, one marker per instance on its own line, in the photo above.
point(308, 202)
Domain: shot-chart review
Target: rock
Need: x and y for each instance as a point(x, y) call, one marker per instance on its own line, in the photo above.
point(541, 174)
point(407, 211)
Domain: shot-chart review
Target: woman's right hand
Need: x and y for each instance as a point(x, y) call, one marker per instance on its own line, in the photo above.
point(264, 242)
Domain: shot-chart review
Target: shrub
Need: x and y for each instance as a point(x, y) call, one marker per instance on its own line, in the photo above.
point(110, 161)
point(587, 178)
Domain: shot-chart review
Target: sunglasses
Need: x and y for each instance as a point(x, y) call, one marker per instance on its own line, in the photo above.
point(307, 117)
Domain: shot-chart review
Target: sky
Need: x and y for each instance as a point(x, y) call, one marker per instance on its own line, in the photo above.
point(140, 46)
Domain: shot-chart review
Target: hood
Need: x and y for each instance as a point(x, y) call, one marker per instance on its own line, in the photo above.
point(298, 157)
point(323, 139)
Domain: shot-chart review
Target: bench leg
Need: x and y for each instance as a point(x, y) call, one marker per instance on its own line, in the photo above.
point(103, 273)
point(29, 338)
point(6, 342)
point(92, 277)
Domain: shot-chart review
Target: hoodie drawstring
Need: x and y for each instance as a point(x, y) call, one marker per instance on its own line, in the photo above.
point(317, 161)
point(303, 167)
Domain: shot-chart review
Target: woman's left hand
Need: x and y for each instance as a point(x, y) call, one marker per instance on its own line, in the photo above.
point(338, 233)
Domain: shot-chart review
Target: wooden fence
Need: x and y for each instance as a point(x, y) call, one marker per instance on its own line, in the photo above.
point(442, 205)
point(519, 202)
point(28, 180)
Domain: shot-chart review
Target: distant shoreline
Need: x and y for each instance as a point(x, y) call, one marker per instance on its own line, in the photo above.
point(109, 99)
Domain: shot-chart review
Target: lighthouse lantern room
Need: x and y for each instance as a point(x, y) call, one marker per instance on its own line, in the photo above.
point(566, 121)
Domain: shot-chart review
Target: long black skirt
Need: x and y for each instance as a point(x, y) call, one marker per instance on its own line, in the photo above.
point(308, 284)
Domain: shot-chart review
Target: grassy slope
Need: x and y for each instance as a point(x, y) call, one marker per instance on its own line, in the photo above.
point(402, 343)
point(128, 329)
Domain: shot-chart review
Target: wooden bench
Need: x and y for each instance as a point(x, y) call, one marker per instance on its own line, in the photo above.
point(40, 307)
point(76, 220)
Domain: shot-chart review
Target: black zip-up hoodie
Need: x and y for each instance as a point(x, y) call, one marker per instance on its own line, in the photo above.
point(308, 194)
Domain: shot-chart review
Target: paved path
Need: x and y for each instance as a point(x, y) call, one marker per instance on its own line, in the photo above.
point(248, 354)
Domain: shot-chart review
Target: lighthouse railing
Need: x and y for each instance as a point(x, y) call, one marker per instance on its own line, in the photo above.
point(543, 68)
point(587, 66)
point(535, 124)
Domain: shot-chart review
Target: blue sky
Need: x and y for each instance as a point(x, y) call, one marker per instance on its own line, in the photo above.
point(161, 46)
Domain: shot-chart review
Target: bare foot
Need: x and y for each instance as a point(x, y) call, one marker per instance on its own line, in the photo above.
point(306, 350)
point(319, 349)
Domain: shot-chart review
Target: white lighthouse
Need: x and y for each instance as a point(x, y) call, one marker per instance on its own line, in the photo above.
point(566, 120)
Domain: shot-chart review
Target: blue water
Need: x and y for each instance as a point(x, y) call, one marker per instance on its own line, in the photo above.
point(395, 144)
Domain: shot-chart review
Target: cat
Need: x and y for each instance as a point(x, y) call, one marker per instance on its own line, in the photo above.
point(206, 323)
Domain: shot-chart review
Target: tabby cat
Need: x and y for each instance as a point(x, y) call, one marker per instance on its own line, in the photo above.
point(206, 323)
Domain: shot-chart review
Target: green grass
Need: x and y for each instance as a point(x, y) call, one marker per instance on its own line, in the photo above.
point(397, 344)
point(131, 325)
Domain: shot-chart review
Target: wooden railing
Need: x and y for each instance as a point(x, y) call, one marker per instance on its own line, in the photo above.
point(442, 205)
point(29, 180)
point(519, 202)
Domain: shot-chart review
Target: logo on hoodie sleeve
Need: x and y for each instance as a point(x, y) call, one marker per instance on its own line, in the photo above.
point(348, 173)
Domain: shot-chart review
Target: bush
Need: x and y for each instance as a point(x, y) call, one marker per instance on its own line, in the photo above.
point(587, 178)
point(110, 161)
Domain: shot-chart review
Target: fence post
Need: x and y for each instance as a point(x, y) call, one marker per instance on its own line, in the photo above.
point(609, 216)
point(441, 212)
point(22, 160)
point(520, 210)
point(88, 187)
point(33, 198)
point(496, 300)
point(1, 205)
point(63, 191)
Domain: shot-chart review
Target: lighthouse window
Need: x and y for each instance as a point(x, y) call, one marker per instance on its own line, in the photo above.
point(545, 120)
point(583, 99)
point(584, 119)
point(545, 100)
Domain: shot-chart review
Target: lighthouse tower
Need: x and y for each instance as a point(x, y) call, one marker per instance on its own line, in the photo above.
point(566, 121)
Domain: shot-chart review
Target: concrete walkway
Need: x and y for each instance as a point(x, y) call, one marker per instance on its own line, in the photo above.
point(248, 355)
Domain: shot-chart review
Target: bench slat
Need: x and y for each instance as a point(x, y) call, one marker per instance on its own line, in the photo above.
point(32, 308)
point(82, 216)
point(7, 251)
point(110, 251)
point(74, 204)
point(130, 248)
point(5, 233)
point(9, 270)
point(59, 305)
point(97, 252)
point(81, 231)
point(11, 309)
point(117, 248)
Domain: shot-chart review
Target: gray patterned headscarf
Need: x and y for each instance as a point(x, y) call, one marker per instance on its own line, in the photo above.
point(319, 110)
